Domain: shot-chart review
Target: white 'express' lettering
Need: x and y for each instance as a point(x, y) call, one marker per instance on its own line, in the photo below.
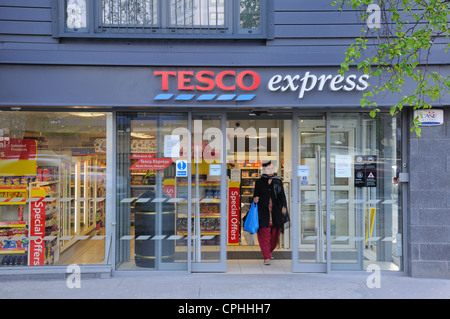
point(310, 82)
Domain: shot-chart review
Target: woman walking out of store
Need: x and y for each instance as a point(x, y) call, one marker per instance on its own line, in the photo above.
point(272, 210)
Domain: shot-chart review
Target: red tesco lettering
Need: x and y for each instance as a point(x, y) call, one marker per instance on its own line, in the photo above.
point(207, 80)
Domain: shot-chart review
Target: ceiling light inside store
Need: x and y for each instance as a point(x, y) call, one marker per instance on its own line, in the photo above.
point(259, 112)
point(141, 135)
point(87, 114)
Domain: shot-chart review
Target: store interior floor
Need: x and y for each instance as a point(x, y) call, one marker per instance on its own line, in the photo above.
point(250, 265)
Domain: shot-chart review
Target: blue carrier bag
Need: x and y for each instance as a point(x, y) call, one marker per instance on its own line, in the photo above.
point(251, 223)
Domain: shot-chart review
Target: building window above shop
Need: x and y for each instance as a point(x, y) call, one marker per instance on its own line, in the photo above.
point(210, 19)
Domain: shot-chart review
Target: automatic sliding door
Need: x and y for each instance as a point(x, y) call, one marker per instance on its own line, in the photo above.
point(365, 197)
point(348, 214)
point(169, 192)
point(149, 205)
point(310, 192)
point(207, 169)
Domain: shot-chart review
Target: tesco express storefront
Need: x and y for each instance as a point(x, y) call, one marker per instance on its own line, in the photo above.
point(147, 169)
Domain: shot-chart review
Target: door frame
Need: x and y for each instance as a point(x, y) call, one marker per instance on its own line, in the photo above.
point(225, 116)
point(294, 214)
point(222, 264)
point(303, 266)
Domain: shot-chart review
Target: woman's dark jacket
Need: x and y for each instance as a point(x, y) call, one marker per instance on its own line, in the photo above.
point(275, 191)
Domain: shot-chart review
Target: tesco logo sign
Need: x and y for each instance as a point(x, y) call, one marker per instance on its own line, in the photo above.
point(206, 81)
point(231, 85)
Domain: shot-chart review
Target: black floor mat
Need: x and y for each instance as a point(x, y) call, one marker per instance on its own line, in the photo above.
point(257, 255)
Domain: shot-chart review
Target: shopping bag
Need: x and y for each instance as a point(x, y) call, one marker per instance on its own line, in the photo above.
point(251, 223)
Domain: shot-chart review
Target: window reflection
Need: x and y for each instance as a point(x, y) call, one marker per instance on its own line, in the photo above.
point(76, 14)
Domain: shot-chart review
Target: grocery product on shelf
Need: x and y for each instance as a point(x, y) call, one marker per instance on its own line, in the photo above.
point(208, 209)
point(14, 260)
point(16, 193)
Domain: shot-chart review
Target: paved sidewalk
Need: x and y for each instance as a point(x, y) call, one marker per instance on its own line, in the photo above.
point(230, 287)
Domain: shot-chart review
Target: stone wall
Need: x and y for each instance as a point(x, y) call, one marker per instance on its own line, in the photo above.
point(429, 201)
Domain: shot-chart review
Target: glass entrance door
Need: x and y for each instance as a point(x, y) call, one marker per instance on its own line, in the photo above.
point(207, 194)
point(365, 197)
point(148, 193)
point(170, 215)
point(257, 139)
point(175, 179)
point(348, 214)
point(309, 191)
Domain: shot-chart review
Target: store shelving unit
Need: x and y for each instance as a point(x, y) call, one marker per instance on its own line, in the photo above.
point(16, 195)
point(83, 198)
point(249, 175)
point(97, 193)
point(207, 207)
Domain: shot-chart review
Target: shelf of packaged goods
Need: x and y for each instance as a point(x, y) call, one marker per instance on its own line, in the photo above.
point(202, 232)
point(54, 233)
point(209, 201)
point(46, 183)
point(201, 184)
point(12, 189)
point(51, 222)
point(142, 186)
point(180, 215)
point(203, 201)
point(12, 250)
point(13, 224)
point(38, 192)
point(7, 202)
point(51, 211)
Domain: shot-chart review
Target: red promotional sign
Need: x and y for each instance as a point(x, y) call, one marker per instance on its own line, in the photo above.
point(169, 190)
point(152, 164)
point(37, 229)
point(17, 149)
point(206, 80)
point(233, 213)
point(141, 156)
point(17, 156)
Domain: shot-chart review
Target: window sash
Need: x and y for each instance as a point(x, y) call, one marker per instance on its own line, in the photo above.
point(183, 13)
point(123, 13)
point(250, 14)
point(159, 18)
point(197, 13)
point(76, 14)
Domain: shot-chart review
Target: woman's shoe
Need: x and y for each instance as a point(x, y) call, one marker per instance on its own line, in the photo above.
point(267, 262)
